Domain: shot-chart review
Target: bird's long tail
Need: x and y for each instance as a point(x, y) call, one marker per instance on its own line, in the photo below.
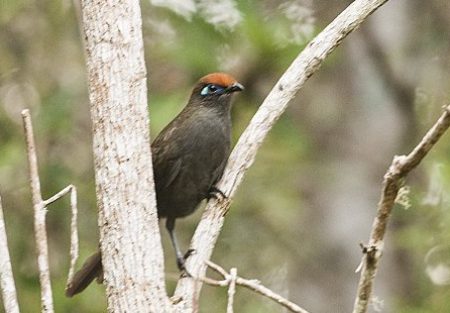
point(91, 269)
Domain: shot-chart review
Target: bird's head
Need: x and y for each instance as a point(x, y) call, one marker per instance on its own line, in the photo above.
point(215, 90)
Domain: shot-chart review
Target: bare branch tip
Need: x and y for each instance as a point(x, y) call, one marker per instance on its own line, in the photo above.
point(359, 267)
point(25, 112)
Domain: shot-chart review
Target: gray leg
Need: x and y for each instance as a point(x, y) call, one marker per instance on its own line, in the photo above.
point(170, 225)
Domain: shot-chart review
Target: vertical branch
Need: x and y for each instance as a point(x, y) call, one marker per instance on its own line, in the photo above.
point(6, 276)
point(231, 290)
point(399, 169)
point(130, 241)
point(73, 234)
point(39, 217)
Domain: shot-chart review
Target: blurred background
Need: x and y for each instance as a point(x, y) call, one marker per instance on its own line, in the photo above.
point(310, 197)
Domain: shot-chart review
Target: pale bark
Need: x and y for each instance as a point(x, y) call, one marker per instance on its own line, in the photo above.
point(243, 155)
point(40, 212)
point(231, 279)
point(231, 290)
point(74, 247)
point(397, 172)
point(7, 285)
point(129, 234)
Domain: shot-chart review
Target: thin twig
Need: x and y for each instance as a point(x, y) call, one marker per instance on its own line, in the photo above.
point(6, 276)
point(217, 268)
point(399, 169)
point(231, 279)
point(74, 247)
point(213, 282)
point(231, 289)
point(58, 195)
point(39, 217)
point(73, 226)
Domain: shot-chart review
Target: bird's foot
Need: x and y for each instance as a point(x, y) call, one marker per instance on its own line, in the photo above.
point(181, 263)
point(216, 193)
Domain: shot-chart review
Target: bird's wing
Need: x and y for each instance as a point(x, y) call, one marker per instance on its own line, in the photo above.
point(166, 169)
point(173, 171)
point(167, 158)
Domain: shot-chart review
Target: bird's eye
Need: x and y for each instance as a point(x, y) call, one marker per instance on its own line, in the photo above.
point(211, 89)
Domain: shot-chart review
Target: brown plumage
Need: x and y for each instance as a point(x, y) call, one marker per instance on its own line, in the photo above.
point(189, 156)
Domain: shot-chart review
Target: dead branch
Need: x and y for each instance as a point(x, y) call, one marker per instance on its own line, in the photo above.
point(231, 289)
point(7, 285)
point(243, 155)
point(231, 279)
point(398, 170)
point(39, 217)
point(73, 226)
point(40, 211)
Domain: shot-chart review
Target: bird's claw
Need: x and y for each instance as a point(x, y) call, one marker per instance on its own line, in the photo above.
point(181, 263)
point(188, 253)
point(216, 193)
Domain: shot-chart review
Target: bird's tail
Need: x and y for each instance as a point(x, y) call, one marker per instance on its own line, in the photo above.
point(91, 269)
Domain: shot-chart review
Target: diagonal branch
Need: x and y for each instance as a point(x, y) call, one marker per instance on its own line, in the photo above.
point(7, 285)
point(243, 155)
point(399, 169)
point(231, 279)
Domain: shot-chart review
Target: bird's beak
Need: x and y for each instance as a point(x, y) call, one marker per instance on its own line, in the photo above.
point(235, 87)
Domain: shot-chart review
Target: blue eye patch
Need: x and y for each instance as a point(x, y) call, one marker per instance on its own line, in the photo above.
point(211, 89)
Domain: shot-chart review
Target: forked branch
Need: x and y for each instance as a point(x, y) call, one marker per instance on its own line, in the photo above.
point(231, 279)
point(40, 211)
point(401, 166)
point(39, 217)
point(73, 226)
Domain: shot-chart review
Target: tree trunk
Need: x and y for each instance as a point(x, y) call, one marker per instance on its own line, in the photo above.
point(129, 235)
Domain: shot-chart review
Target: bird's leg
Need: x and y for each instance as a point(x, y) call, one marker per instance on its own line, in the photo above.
point(181, 259)
point(214, 192)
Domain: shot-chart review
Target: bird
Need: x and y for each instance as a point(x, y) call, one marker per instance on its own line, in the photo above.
point(189, 156)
